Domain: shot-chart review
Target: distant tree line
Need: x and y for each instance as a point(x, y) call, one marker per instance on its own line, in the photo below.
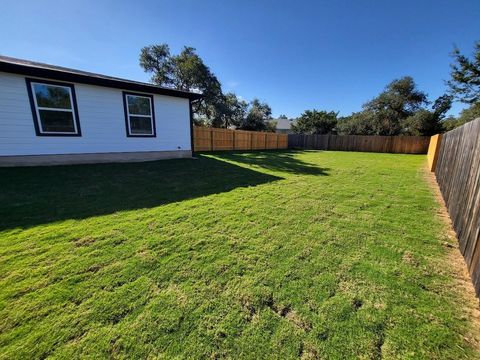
point(400, 109)
point(187, 71)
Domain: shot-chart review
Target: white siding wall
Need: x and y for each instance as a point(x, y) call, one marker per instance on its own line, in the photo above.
point(102, 122)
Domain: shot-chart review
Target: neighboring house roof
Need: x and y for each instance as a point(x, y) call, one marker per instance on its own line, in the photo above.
point(283, 124)
point(36, 69)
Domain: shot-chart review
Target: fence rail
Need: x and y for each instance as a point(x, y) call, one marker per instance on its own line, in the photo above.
point(383, 144)
point(458, 175)
point(214, 139)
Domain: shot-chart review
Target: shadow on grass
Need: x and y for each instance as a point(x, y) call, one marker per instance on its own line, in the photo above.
point(274, 160)
point(37, 195)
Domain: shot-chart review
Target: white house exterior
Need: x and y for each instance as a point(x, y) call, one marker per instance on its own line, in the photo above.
point(52, 115)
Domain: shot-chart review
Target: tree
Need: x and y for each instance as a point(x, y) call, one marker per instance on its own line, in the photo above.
point(359, 123)
point(283, 117)
point(422, 123)
point(315, 122)
point(469, 114)
point(399, 109)
point(271, 126)
point(449, 123)
point(185, 71)
point(398, 101)
point(401, 98)
point(464, 86)
point(156, 59)
point(428, 122)
point(466, 115)
point(257, 116)
point(465, 76)
point(230, 110)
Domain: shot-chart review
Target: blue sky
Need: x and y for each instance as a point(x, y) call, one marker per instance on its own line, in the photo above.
point(295, 55)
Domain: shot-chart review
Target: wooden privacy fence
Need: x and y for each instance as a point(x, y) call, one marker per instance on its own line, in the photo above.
point(382, 144)
point(214, 139)
point(457, 171)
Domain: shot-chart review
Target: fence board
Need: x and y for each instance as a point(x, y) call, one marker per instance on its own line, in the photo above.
point(282, 142)
point(458, 175)
point(222, 139)
point(271, 141)
point(202, 139)
point(259, 141)
point(387, 144)
point(242, 140)
point(214, 139)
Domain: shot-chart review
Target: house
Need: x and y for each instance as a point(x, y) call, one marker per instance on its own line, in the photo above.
point(55, 115)
point(283, 125)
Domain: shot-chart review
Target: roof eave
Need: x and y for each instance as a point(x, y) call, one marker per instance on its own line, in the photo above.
point(40, 72)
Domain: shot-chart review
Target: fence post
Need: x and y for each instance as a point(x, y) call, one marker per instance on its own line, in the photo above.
point(233, 139)
point(265, 147)
point(251, 141)
point(277, 139)
point(433, 150)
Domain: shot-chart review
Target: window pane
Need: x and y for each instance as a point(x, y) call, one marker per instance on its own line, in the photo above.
point(141, 125)
point(52, 96)
point(57, 121)
point(138, 105)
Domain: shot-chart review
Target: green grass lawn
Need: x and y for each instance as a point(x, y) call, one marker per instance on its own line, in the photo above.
point(235, 255)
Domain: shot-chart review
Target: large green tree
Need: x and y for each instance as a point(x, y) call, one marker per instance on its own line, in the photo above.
point(185, 71)
point(258, 116)
point(465, 76)
point(466, 115)
point(229, 111)
point(398, 101)
point(425, 122)
point(401, 109)
point(359, 123)
point(469, 114)
point(315, 122)
point(464, 86)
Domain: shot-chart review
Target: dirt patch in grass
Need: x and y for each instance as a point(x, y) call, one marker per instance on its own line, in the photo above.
point(460, 274)
point(84, 241)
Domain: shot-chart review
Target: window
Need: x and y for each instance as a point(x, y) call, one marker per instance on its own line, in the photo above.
point(54, 108)
point(139, 114)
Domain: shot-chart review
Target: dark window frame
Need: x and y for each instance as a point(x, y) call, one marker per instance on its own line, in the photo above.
point(127, 120)
point(36, 120)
